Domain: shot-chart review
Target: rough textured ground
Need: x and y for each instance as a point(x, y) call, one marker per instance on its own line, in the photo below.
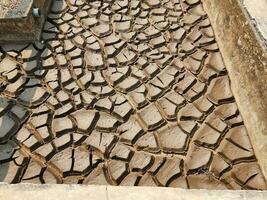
point(123, 93)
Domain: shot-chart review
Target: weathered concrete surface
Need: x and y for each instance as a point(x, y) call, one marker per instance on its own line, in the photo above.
point(17, 23)
point(70, 192)
point(257, 9)
point(246, 61)
point(14, 8)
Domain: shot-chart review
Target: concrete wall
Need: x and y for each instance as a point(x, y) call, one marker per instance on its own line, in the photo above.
point(257, 9)
point(23, 28)
point(71, 192)
point(245, 57)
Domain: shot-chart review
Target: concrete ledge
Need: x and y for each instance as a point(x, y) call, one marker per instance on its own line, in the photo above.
point(245, 58)
point(19, 25)
point(257, 11)
point(70, 192)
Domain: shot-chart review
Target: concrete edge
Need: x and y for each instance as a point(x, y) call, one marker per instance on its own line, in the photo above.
point(70, 192)
point(256, 9)
point(20, 12)
point(37, 25)
point(245, 58)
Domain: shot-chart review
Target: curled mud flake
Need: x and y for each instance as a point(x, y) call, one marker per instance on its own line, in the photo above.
point(198, 160)
point(152, 117)
point(169, 171)
point(173, 140)
point(220, 91)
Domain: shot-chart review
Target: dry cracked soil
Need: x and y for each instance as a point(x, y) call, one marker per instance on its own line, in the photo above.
point(123, 92)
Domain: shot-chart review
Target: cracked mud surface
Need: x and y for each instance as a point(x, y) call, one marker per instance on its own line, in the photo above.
point(123, 93)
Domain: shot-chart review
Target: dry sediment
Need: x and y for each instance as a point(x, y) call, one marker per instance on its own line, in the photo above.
point(123, 93)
